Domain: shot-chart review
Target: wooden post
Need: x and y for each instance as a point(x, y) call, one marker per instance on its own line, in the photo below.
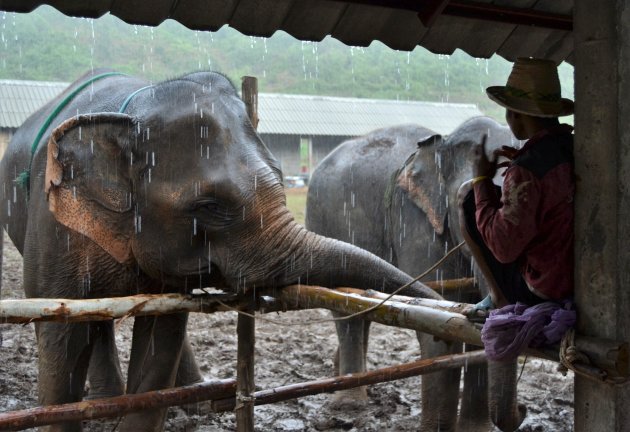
point(249, 94)
point(602, 225)
point(246, 325)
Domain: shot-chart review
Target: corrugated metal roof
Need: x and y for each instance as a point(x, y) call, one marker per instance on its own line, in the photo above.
point(278, 113)
point(19, 99)
point(510, 28)
point(318, 115)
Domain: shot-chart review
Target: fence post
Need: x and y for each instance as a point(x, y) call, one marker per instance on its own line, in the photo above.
point(245, 328)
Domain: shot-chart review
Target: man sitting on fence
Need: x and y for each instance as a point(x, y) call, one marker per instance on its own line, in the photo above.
point(522, 236)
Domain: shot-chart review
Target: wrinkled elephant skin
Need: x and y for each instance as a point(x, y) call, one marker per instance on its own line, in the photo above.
point(176, 192)
point(393, 192)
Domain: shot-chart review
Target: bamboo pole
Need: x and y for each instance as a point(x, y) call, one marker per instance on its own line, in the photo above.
point(24, 311)
point(328, 385)
point(463, 285)
point(446, 325)
point(65, 310)
point(116, 406)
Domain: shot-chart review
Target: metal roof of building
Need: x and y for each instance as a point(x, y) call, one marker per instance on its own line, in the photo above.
point(319, 115)
point(19, 99)
point(278, 113)
point(510, 28)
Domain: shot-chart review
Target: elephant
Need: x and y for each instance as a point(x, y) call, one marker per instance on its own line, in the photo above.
point(394, 192)
point(119, 187)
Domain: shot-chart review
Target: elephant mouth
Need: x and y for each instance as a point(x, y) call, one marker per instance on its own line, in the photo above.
point(204, 275)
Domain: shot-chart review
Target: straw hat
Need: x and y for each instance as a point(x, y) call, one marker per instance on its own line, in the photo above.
point(533, 88)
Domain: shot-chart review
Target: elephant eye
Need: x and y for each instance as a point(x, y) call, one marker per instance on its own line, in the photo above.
point(213, 214)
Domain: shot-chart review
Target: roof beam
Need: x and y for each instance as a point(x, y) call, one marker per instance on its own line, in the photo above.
point(431, 10)
point(428, 10)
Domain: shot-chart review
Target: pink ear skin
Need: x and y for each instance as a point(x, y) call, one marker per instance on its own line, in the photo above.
point(418, 179)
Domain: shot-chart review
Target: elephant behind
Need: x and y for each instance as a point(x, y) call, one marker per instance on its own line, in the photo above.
point(136, 188)
point(394, 193)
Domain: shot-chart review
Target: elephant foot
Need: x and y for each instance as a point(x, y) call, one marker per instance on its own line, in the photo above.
point(341, 411)
point(510, 423)
point(473, 425)
point(349, 400)
point(198, 408)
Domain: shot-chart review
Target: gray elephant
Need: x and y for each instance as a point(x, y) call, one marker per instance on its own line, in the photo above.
point(394, 192)
point(135, 188)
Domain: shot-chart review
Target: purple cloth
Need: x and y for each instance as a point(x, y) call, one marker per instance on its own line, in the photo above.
point(511, 329)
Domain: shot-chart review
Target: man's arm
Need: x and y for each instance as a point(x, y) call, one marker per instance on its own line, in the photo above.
point(509, 224)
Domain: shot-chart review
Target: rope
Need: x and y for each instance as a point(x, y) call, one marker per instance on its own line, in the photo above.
point(123, 107)
point(573, 359)
point(354, 315)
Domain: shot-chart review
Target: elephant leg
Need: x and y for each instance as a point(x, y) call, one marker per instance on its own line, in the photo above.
point(440, 390)
point(473, 415)
point(64, 353)
point(155, 354)
point(353, 335)
point(505, 413)
point(188, 373)
point(104, 374)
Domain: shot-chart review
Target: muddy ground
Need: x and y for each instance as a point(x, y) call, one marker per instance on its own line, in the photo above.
point(284, 355)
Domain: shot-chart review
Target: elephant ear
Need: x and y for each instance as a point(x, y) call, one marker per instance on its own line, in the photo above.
point(422, 179)
point(88, 184)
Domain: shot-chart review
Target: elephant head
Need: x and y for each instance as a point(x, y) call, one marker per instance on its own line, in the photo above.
point(431, 177)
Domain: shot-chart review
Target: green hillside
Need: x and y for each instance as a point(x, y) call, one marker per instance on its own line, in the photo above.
point(46, 45)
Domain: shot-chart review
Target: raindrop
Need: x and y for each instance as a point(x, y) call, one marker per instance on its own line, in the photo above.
point(8, 208)
point(194, 226)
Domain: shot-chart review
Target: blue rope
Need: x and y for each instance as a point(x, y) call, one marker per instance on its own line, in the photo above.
point(123, 107)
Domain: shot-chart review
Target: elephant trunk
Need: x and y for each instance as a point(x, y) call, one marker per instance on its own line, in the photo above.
point(301, 256)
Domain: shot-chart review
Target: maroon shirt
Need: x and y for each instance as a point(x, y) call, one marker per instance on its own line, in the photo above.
point(532, 222)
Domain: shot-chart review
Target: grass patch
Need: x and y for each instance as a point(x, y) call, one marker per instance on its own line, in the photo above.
point(296, 202)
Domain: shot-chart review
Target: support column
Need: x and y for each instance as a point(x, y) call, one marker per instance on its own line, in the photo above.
point(602, 227)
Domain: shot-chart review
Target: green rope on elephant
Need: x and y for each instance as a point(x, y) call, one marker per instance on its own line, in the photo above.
point(24, 178)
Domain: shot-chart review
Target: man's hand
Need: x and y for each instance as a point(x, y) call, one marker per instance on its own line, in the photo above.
point(481, 165)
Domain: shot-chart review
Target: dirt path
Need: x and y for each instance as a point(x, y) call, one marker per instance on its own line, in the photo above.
point(284, 355)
